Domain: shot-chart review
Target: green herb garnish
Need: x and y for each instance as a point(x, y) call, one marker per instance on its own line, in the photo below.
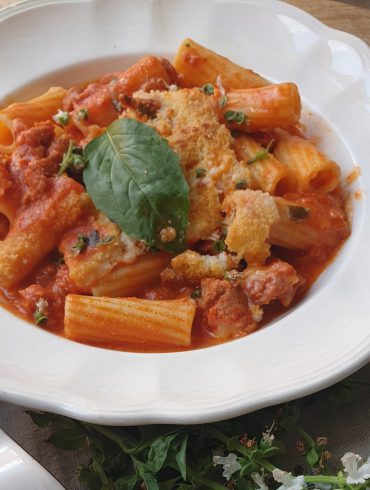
point(141, 203)
point(219, 246)
point(83, 114)
point(61, 118)
point(80, 244)
point(261, 154)
point(235, 116)
point(208, 89)
point(241, 184)
point(117, 105)
point(297, 213)
point(40, 314)
point(196, 293)
point(223, 101)
point(95, 240)
point(72, 158)
point(200, 172)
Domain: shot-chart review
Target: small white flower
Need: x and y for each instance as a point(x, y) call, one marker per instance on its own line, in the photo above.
point(268, 438)
point(289, 482)
point(355, 474)
point(229, 463)
point(258, 479)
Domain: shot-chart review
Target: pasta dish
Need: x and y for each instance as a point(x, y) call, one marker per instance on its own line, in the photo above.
point(164, 207)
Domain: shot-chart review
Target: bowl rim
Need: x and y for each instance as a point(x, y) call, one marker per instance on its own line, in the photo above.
point(165, 411)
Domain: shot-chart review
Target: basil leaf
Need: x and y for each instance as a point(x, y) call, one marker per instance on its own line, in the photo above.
point(135, 178)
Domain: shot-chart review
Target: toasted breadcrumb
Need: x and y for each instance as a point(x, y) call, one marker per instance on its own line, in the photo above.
point(249, 216)
point(195, 267)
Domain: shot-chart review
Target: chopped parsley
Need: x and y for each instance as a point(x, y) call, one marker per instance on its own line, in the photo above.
point(40, 313)
point(235, 116)
point(80, 244)
point(196, 293)
point(223, 101)
point(117, 105)
point(208, 89)
point(61, 118)
point(219, 246)
point(200, 172)
point(241, 184)
point(297, 213)
point(83, 114)
point(261, 154)
point(92, 240)
point(72, 158)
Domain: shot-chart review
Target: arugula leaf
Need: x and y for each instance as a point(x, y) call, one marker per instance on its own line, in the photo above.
point(135, 178)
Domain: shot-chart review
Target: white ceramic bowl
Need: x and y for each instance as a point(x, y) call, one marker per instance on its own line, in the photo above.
point(323, 339)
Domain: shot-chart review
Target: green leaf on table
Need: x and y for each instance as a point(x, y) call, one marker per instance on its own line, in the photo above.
point(69, 439)
point(158, 452)
point(135, 178)
point(89, 478)
point(127, 482)
point(181, 456)
point(233, 443)
point(312, 457)
point(41, 419)
point(150, 481)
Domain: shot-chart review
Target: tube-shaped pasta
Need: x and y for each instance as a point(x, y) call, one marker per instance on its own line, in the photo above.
point(6, 134)
point(36, 229)
point(274, 106)
point(199, 66)
point(314, 170)
point(149, 73)
point(121, 320)
point(306, 220)
point(126, 279)
point(267, 173)
point(41, 108)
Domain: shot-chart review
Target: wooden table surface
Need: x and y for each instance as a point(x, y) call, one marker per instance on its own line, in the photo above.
point(340, 15)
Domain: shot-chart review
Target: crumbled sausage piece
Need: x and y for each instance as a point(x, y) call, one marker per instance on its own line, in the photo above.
point(225, 309)
point(278, 280)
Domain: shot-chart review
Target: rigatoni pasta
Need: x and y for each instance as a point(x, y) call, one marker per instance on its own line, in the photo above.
point(274, 106)
point(163, 207)
point(39, 109)
point(120, 320)
point(199, 66)
point(267, 173)
point(314, 170)
point(128, 279)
